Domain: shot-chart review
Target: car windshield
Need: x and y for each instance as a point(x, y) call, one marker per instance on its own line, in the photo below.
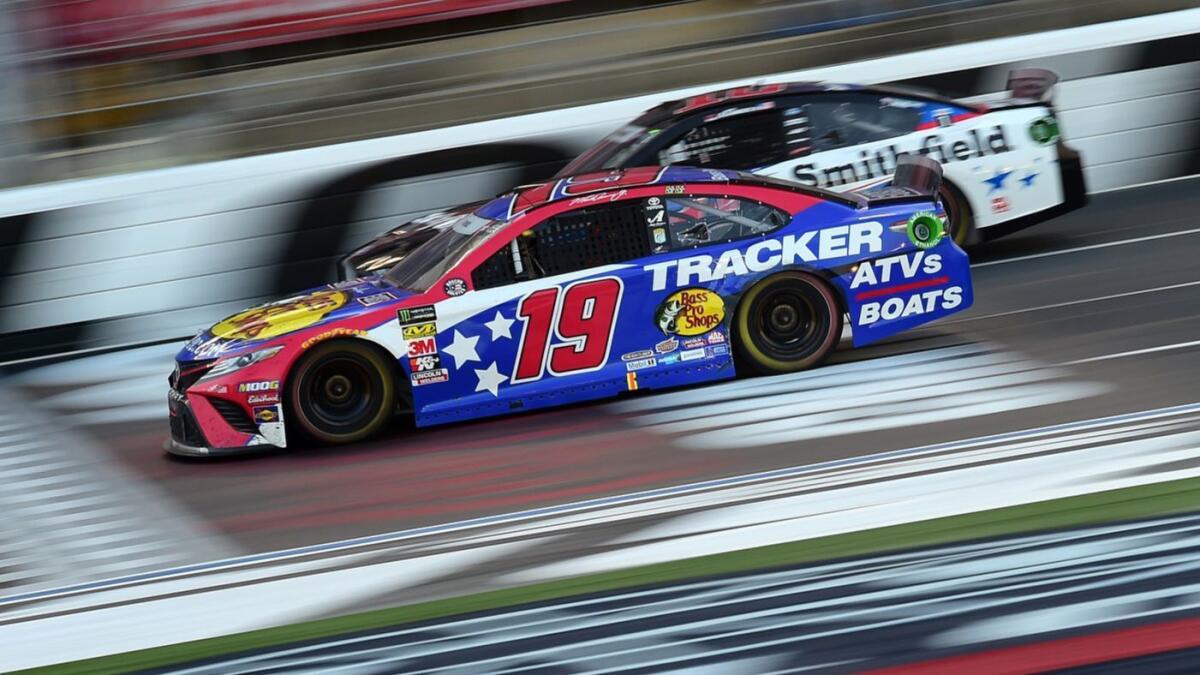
point(431, 260)
point(612, 152)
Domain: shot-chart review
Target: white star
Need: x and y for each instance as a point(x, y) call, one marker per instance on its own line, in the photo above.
point(500, 327)
point(462, 348)
point(490, 379)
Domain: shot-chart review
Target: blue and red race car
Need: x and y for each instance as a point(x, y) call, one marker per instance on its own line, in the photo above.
point(577, 289)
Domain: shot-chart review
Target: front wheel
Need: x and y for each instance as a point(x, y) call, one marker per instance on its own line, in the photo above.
point(787, 323)
point(341, 392)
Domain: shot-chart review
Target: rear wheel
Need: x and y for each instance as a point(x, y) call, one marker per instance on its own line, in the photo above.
point(960, 222)
point(341, 392)
point(787, 323)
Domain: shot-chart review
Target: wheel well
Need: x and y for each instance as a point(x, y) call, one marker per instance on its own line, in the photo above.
point(966, 204)
point(403, 387)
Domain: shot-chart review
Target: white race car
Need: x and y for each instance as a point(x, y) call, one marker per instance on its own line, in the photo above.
point(1005, 164)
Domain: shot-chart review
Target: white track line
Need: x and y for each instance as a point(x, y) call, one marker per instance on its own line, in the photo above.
point(1092, 247)
point(1136, 352)
point(1070, 303)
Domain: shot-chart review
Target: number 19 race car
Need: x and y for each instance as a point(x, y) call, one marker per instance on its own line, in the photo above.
point(577, 289)
point(1006, 166)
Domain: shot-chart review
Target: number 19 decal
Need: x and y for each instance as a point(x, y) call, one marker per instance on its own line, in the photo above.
point(582, 317)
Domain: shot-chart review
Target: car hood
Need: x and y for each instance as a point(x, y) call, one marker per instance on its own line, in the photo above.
point(314, 307)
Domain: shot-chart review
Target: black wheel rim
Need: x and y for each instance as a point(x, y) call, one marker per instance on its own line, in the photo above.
point(339, 393)
point(788, 323)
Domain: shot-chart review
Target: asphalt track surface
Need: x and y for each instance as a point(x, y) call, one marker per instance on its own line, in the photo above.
point(1108, 295)
point(1093, 315)
point(1014, 604)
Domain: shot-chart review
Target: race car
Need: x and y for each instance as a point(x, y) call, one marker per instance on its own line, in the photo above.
point(576, 289)
point(1006, 165)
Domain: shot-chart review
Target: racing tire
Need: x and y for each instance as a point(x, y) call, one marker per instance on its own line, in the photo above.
point(341, 392)
point(787, 323)
point(960, 222)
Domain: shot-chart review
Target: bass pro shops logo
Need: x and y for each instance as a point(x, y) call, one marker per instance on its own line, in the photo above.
point(691, 311)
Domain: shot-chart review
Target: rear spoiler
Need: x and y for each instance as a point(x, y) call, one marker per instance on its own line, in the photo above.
point(917, 179)
point(1033, 83)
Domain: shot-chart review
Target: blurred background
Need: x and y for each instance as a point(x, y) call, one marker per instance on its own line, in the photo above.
point(102, 86)
point(164, 163)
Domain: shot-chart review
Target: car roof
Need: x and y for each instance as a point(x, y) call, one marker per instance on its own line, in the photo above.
point(675, 110)
point(529, 197)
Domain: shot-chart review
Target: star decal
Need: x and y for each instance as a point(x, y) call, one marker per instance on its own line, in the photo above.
point(500, 327)
point(462, 348)
point(997, 181)
point(1027, 180)
point(490, 379)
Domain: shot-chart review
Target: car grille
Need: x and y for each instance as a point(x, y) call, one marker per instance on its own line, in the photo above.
point(186, 373)
point(234, 415)
point(184, 427)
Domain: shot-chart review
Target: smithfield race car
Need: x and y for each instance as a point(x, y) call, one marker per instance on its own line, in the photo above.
point(581, 288)
point(1006, 166)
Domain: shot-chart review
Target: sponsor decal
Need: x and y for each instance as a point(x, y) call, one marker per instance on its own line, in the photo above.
point(894, 268)
point(1044, 131)
point(376, 299)
point(666, 346)
point(737, 93)
point(653, 202)
point(336, 332)
point(669, 359)
point(660, 235)
point(691, 311)
point(716, 337)
point(718, 350)
point(638, 355)
point(424, 363)
point(692, 343)
point(280, 317)
point(944, 117)
point(455, 287)
point(631, 382)
point(828, 243)
point(262, 385)
point(422, 347)
point(881, 162)
point(641, 364)
point(266, 414)
point(674, 190)
point(421, 314)
point(925, 229)
point(263, 398)
point(419, 330)
point(999, 204)
point(692, 354)
point(422, 378)
point(917, 304)
point(731, 112)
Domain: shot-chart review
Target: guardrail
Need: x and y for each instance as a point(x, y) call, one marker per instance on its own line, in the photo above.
point(159, 254)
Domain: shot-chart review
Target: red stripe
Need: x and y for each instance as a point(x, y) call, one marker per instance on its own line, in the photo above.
point(1065, 653)
point(892, 290)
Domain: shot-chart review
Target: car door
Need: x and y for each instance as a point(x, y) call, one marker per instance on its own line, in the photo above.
point(542, 323)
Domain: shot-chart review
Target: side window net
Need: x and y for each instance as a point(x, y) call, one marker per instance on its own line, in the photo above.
point(743, 141)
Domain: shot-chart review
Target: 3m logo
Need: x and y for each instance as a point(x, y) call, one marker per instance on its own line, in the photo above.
point(420, 330)
point(421, 347)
